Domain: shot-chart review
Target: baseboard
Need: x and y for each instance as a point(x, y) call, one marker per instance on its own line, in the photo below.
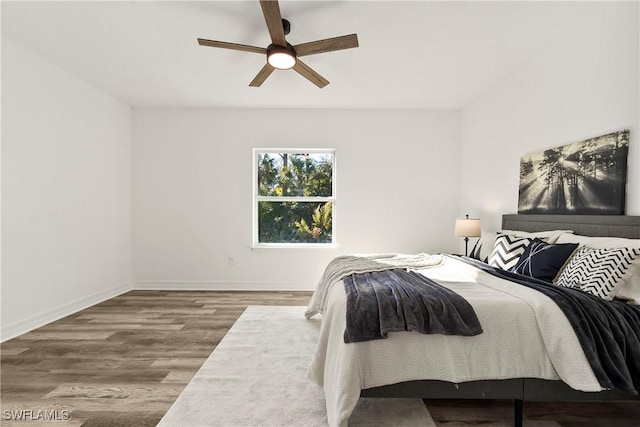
point(15, 329)
point(220, 285)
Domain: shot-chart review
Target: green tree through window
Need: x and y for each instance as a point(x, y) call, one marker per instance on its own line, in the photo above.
point(294, 197)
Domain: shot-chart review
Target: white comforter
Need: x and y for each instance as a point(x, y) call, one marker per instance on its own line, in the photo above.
point(525, 336)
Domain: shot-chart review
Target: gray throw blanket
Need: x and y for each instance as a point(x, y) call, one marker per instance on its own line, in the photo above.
point(398, 300)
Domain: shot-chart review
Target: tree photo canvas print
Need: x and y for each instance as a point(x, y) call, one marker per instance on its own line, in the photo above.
point(583, 178)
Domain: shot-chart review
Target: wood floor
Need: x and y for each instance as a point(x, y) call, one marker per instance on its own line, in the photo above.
point(123, 363)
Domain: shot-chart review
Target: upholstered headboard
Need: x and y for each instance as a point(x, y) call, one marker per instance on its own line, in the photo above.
point(586, 225)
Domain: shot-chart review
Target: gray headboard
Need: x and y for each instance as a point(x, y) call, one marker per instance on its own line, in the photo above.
point(586, 225)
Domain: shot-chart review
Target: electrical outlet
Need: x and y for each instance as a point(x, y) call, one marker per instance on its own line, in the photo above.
point(230, 260)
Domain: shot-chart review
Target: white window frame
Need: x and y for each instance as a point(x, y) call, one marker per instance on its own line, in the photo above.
point(256, 244)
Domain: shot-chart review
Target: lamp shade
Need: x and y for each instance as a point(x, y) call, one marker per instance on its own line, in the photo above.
point(467, 227)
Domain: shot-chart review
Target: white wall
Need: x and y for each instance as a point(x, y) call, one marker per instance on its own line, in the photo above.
point(397, 190)
point(66, 193)
point(582, 86)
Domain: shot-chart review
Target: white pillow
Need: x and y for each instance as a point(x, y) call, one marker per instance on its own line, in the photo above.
point(630, 289)
point(550, 236)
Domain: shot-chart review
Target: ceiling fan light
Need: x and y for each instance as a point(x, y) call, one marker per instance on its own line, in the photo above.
point(281, 58)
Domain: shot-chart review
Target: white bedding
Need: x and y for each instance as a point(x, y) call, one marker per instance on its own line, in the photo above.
point(525, 336)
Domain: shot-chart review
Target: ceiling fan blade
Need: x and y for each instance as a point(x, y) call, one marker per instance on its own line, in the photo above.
point(327, 45)
point(262, 75)
point(305, 71)
point(271, 12)
point(234, 46)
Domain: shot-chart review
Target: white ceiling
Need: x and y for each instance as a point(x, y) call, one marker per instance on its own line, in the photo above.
point(416, 54)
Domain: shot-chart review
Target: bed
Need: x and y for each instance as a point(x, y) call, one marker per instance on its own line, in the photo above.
point(528, 350)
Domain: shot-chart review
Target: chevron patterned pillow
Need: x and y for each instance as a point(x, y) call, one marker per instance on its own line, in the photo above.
point(598, 271)
point(507, 250)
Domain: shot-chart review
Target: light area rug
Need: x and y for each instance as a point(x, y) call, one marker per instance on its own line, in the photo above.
point(256, 377)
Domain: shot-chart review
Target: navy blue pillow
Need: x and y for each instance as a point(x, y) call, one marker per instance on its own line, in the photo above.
point(543, 260)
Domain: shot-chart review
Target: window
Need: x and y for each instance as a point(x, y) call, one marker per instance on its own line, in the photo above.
point(294, 197)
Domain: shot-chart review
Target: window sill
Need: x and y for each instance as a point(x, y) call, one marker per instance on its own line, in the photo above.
point(294, 246)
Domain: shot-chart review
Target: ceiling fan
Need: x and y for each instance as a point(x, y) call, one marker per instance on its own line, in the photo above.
point(282, 55)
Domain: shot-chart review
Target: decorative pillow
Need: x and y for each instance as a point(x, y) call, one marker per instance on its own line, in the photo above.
point(483, 247)
point(543, 260)
point(507, 251)
point(598, 271)
point(630, 289)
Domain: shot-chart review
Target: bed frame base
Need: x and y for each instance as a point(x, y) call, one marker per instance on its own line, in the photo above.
point(511, 389)
point(516, 389)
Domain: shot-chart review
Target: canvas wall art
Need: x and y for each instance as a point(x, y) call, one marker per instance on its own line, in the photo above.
point(585, 178)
